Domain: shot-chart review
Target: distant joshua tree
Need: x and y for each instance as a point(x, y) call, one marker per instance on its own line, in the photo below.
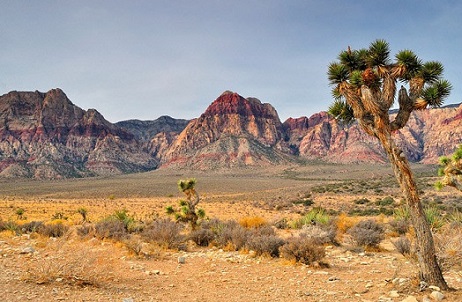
point(364, 87)
point(187, 211)
point(451, 170)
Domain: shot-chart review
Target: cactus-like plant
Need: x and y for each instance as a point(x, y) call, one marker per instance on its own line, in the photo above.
point(187, 211)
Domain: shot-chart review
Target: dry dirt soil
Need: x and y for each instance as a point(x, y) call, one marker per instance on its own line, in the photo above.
point(35, 268)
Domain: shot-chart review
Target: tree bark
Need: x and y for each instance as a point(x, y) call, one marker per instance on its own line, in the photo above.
point(430, 271)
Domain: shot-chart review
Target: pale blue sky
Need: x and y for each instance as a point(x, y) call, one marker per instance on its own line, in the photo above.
point(143, 59)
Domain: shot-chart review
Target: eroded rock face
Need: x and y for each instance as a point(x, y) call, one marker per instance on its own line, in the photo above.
point(233, 131)
point(44, 135)
point(428, 135)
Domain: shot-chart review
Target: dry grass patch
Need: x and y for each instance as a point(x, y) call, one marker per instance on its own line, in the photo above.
point(69, 262)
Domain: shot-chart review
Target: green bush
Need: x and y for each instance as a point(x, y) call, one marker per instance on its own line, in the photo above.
point(315, 216)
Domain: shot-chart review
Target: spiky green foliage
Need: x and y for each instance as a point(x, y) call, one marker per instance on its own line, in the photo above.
point(186, 211)
point(451, 170)
point(379, 53)
point(374, 68)
point(340, 110)
point(437, 92)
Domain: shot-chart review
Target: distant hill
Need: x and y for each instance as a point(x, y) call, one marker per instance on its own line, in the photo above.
point(44, 135)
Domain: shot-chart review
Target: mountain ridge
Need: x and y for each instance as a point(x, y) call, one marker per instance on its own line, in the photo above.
point(44, 135)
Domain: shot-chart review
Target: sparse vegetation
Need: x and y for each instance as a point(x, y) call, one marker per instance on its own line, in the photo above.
point(367, 233)
point(302, 249)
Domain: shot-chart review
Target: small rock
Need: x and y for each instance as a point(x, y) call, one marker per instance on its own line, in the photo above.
point(331, 279)
point(435, 288)
point(181, 260)
point(410, 299)
point(59, 280)
point(128, 300)
point(369, 285)
point(27, 250)
point(156, 272)
point(437, 296)
point(426, 299)
point(393, 294)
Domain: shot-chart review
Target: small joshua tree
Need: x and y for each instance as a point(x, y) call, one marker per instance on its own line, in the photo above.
point(83, 212)
point(451, 170)
point(187, 211)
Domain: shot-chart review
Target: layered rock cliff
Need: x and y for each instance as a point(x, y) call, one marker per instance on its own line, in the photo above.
point(233, 131)
point(44, 135)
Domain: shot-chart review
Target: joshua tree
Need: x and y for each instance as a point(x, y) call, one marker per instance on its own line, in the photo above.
point(451, 170)
point(364, 87)
point(187, 211)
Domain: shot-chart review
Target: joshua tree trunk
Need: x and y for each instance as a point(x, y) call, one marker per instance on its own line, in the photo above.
point(430, 271)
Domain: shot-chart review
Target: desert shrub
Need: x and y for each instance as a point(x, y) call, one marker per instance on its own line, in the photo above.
point(448, 245)
point(403, 245)
point(361, 201)
point(202, 237)
point(455, 216)
point(315, 216)
point(367, 233)
point(31, 227)
point(111, 229)
point(85, 230)
point(164, 232)
point(400, 226)
point(20, 213)
point(252, 222)
point(402, 213)
point(265, 245)
point(303, 250)
point(343, 223)
point(124, 217)
point(59, 216)
point(232, 235)
point(321, 234)
point(386, 201)
point(53, 230)
point(10, 226)
point(434, 217)
point(281, 224)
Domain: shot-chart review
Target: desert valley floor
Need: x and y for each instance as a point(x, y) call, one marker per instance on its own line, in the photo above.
point(33, 265)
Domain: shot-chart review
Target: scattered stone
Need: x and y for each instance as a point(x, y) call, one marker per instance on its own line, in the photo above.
point(435, 288)
point(393, 294)
point(181, 260)
point(333, 278)
point(27, 250)
point(437, 296)
point(369, 285)
point(426, 299)
point(410, 299)
point(128, 300)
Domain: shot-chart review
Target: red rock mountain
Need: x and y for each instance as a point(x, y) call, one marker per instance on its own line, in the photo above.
point(233, 131)
point(44, 135)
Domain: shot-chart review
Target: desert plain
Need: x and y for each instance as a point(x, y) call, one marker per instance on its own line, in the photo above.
point(86, 268)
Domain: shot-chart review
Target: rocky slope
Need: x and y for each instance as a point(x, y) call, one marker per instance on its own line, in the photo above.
point(44, 135)
point(233, 131)
point(146, 130)
point(429, 134)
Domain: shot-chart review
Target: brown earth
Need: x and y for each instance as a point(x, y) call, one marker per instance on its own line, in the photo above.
point(35, 268)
